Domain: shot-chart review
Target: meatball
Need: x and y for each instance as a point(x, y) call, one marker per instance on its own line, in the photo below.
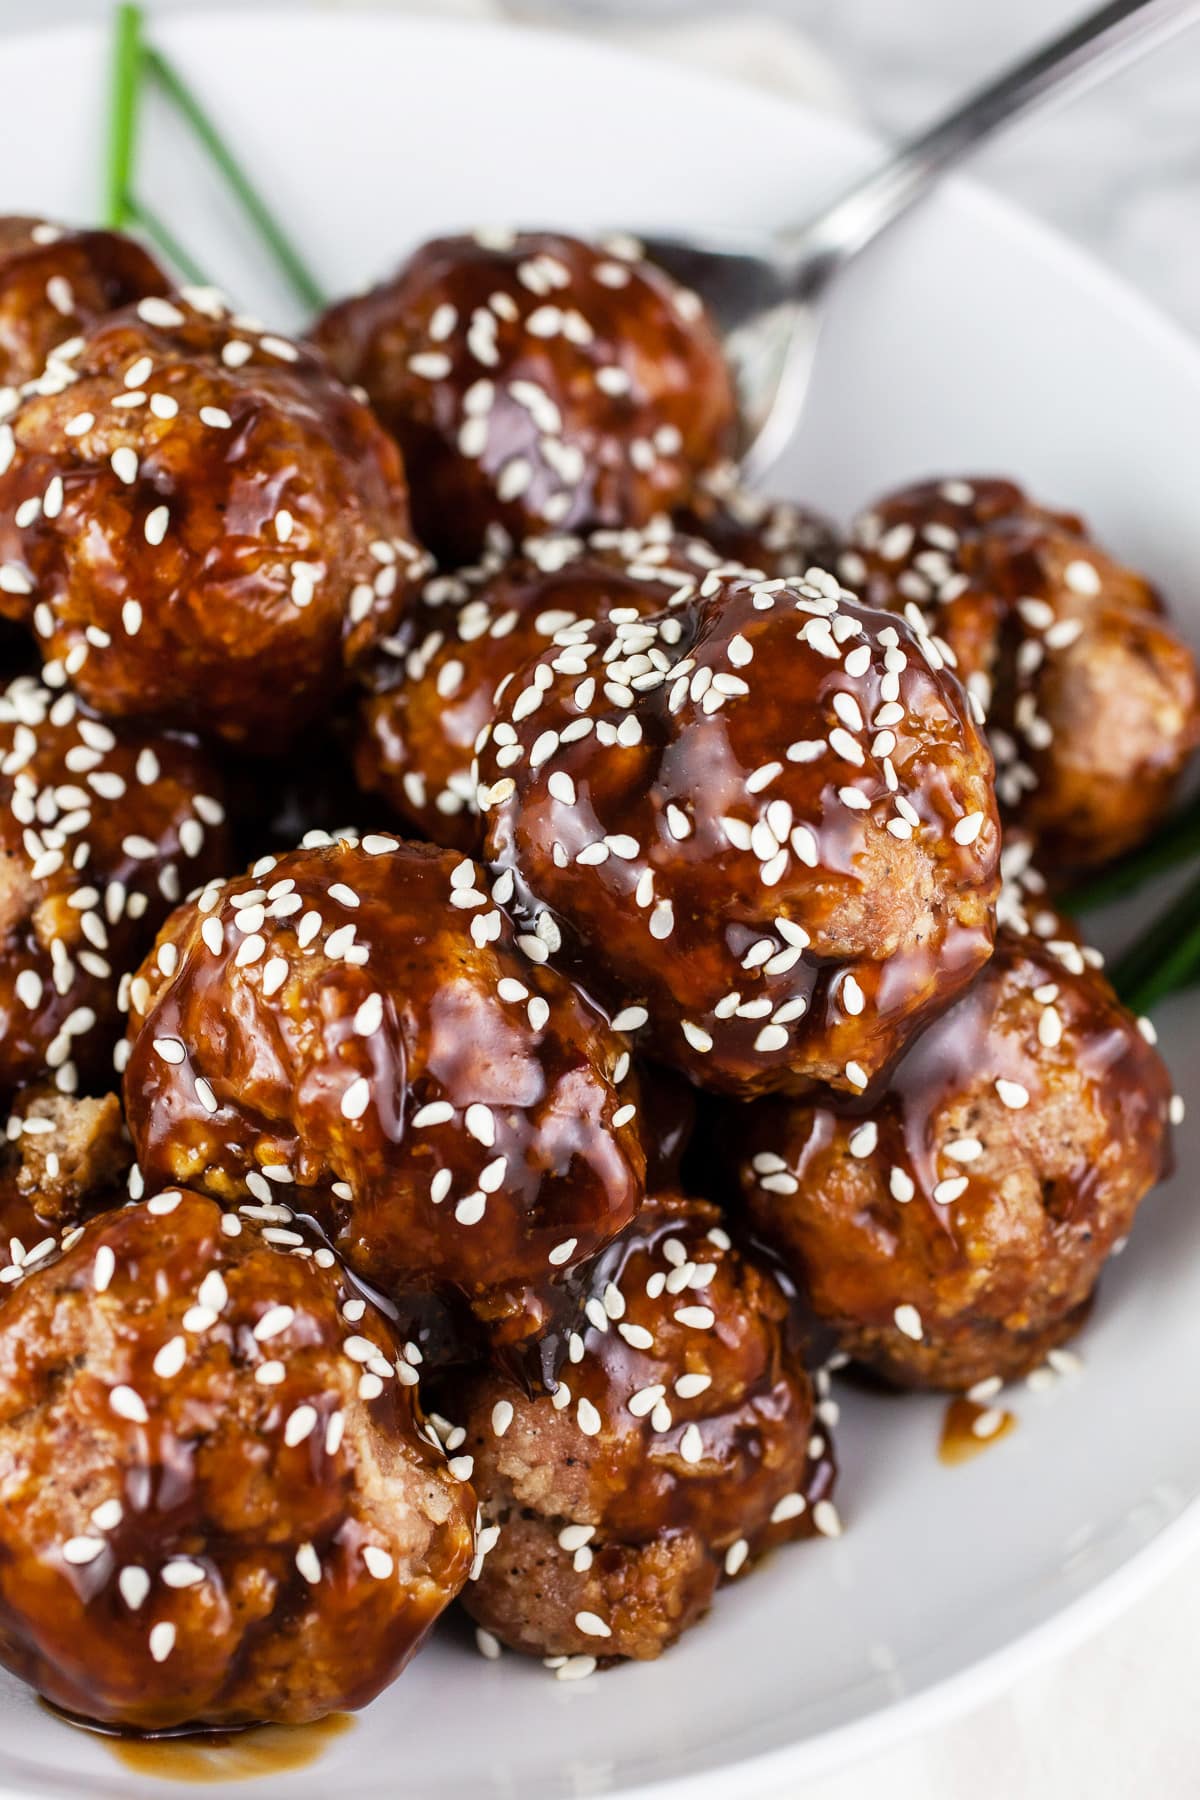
point(433, 687)
point(1092, 699)
point(201, 524)
point(361, 1023)
point(952, 1228)
point(767, 820)
point(533, 381)
point(219, 1501)
point(102, 829)
point(678, 1447)
point(776, 537)
point(55, 282)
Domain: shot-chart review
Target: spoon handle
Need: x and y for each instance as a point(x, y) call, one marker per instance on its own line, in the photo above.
point(1087, 51)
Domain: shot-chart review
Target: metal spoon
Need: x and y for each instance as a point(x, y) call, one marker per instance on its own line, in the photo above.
point(766, 294)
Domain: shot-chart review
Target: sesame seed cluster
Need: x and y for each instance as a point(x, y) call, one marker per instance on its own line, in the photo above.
point(406, 1063)
point(199, 522)
point(432, 687)
point(767, 819)
point(241, 1456)
point(103, 827)
point(953, 1226)
point(1091, 699)
point(538, 383)
point(680, 1444)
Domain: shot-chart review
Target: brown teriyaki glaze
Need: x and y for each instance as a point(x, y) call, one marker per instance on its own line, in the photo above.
point(431, 689)
point(200, 523)
point(103, 829)
point(357, 1029)
point(1093, 701)
point(55, 281)
point(766, 820)
point(679, 1444)
point(220, 1502)
point(951, 1227)
point(537, 383)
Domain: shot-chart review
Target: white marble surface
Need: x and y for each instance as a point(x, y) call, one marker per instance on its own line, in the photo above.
point(1120, 172)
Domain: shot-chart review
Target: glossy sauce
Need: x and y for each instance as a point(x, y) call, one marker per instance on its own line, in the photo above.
point(212, 1756)
point(960, 1440)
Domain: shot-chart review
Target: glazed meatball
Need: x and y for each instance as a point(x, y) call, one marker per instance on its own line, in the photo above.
point(200, 523)
point(359, 1028)
point(103, 828)
point(433, 687)
point(55, 282)
point(534, 381)
point(768, 821)
point(952, 1228)
point(776, 537)
point(678, 1447)
point(219, 1502)
point(1091, 697)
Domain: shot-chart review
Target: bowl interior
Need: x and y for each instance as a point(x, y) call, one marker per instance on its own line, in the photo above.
point(970, 341)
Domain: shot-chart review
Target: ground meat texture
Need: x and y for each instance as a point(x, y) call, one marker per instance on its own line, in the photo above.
point(220, 1504)
point(64, 1159)
point(432, 689)
point(776, 537)
point(767, 820)
point(537, 382)
point(1092, 698)
point(358, 1030)
point(54, 282)
point(677, 1448)
point(103, 828)
point(953, 1228)
point(201, 524)
point(68, 1150)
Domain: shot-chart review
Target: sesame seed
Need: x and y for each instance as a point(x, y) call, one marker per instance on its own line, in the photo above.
point(356, 1098)
point(1012, 1093)
point(826, 1519)
point(128, 1405)
point(908, 1320)
point(275, 1320)
point(162, 1640)
point(592, 1625)
point(309, 1564)
point(134, 1585)
point(170, 1358)
point(156, 525)
point(588, 1418)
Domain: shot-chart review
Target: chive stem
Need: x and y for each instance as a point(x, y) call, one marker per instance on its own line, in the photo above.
point(1164, 958)
point(290, 263)
point(138, 213)
point(1178, 841)
point(125, 82)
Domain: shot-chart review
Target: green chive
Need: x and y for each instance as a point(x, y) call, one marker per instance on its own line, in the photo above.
point(286, 256)
point(1178, 841)
point(1164, 958)
point(123, 106)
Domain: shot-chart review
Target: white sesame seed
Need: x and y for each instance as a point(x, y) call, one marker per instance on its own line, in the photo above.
point(128, 1405)
point(908, 1320)
point(592, 1625)
point(356, 1098)
point(275, 1320)
point(1012, 1093)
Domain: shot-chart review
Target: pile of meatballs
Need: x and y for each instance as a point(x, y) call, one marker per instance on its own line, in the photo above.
point(515, 955)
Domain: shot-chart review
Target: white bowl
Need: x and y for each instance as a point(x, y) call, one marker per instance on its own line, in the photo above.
point(970, 341)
